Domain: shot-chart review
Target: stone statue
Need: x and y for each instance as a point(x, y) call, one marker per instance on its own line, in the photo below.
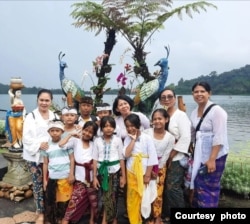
point(15, 116)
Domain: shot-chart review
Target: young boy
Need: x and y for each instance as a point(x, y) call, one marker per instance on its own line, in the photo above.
point(69, 118)
point(86, 107)
point(58, 170)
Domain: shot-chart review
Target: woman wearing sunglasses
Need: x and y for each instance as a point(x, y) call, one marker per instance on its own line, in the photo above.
point(180, 127)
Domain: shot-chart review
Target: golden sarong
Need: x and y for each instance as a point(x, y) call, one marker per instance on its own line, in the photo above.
point(64, 190)
point(16, 129)
point(135, 189)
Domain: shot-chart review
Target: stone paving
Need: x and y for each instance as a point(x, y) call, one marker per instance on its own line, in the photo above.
point(24, 212)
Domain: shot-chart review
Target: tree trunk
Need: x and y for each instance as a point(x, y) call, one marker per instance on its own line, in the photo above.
point(140, 57)
point(102, 81)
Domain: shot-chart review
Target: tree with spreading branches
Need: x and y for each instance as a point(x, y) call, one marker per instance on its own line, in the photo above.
point(135, 20)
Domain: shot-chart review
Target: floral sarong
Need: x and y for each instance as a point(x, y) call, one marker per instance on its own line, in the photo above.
point(109, 198)
point(157, 204)
point(82, 199)
point(207, 187)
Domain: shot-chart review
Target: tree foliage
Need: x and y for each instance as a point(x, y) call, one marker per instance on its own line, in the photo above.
point(235, 82)
point(135, 20)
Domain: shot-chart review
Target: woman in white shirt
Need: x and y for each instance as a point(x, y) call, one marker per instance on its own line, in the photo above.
point(122, 107)
point(180, 127)
point(35, 138)
point(211, 148)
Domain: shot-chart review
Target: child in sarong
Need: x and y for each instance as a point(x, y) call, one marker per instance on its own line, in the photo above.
point(164, 142)
point(109, 168)
point(141, 156)
point(58, 184)
point(84, 196)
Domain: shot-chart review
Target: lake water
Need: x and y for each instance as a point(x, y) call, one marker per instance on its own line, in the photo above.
point(237, 107)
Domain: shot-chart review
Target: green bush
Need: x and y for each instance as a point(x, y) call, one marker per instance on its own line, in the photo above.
point(236, 176)
point(2, 126)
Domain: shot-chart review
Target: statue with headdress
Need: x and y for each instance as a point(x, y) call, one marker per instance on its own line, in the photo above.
point(15, 116)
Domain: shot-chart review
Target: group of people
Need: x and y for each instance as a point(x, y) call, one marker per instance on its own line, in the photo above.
point(79, 162)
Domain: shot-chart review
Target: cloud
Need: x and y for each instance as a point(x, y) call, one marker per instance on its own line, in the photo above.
point(34, 32)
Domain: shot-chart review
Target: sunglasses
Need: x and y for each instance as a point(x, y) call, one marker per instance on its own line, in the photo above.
point(167, 97)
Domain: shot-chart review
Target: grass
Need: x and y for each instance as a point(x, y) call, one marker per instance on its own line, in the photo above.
point(3, 150)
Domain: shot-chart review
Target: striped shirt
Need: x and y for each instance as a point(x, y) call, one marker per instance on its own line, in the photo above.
point(59, 162)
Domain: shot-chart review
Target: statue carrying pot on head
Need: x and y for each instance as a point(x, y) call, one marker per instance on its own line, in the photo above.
point(15, 116)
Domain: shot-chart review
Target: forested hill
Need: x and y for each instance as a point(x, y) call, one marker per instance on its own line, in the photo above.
point(235, 82)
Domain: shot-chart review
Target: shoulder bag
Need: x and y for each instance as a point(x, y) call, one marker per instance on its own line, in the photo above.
point(192, 144)
point(190, 157)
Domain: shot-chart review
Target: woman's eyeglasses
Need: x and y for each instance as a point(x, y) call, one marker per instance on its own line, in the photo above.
point(167, 97)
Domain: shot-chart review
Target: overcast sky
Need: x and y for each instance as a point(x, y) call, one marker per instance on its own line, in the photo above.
point(34, 32)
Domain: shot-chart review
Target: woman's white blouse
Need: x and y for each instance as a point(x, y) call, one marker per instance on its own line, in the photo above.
point(34, 133)
point(215, 122)
point(180, 128)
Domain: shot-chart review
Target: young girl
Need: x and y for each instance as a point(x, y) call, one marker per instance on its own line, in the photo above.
point(84, 196)
point(164, 142)
point(109, 162)
point(102, 110)
point(59, 165)
point(141, 156)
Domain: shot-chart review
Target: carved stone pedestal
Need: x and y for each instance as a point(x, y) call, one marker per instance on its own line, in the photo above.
point(17, 173)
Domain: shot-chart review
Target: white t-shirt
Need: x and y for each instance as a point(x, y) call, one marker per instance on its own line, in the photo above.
point(163, 146)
